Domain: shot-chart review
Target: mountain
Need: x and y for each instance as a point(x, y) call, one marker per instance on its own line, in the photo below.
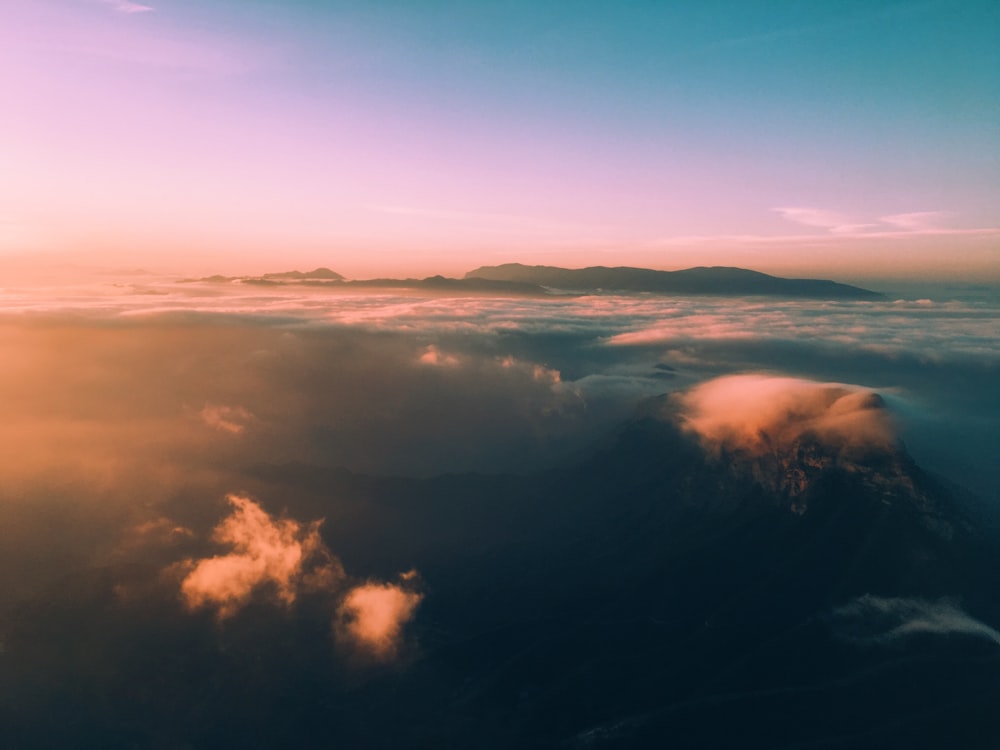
point(701, 280)
point(652, 593)
point(323, 274)
point(520, 280)
point(470, 286)
point(324, 277)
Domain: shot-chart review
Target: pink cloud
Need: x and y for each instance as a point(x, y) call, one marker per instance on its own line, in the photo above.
point(917, 221)
point(760, 414)
point(372, 616)
point(231, 419)
point(284, 558)
point(434, 356)
point(282, 555)
point(816, 217)
point(127, 6)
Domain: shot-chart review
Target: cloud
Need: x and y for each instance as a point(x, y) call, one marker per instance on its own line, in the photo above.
point(882, 620)
point(434, 356)
point(282, 555)
point(760, 413)
point(231, 419)
point(282, 559)
point(160, 531)
point(127, 6)
point(918, 221)
point(817, 217)
point(911, 224)
point(372, 616)
point(837, 227)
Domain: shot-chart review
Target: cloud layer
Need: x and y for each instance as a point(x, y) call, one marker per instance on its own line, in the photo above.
point(124, 403)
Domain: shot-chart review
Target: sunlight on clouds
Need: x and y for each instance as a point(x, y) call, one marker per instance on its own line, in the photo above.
point(372, 615)
point(282, 554)
point(283, 559)
point(916, 221)
point(433, 356)
point(127, 6)
point(160, 531)
point(231, 419)
point(759, 413)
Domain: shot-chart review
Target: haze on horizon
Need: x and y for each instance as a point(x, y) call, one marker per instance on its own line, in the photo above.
point(802, 139)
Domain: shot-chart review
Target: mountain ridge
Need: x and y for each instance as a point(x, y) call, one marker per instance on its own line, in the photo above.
point(696, 280)
point(521, 280)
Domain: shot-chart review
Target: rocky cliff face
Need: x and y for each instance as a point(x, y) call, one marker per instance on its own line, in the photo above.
point(890, 477)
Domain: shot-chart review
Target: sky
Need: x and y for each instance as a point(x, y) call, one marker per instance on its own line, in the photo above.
point(849, 140)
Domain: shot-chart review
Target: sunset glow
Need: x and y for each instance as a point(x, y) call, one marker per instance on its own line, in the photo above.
point(499, 374)
point(196, 137)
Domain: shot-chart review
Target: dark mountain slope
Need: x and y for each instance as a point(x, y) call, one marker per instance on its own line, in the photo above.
point(654, 594)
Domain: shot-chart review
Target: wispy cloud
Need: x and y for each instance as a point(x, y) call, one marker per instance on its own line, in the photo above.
point(231, 419)
point(893, 225)
point(884, 620)
point(127, 6)
point(837, 227)
point(917, 221)
point(818, 217)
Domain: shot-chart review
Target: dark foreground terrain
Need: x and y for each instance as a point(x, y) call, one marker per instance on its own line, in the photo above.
point(649, 594)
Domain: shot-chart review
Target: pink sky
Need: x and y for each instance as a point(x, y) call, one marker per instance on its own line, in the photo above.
point(179, 138)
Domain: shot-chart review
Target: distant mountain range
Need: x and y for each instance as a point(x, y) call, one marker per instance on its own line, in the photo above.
point(701, 280)
point(521, 280)
point(324, 277)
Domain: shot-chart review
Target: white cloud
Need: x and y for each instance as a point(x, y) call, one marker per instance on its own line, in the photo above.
point(876, 619)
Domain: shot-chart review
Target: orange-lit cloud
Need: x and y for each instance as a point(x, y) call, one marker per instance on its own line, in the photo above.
point(231, 419)
point(434, 356)
point(372, 615)
point(282, 555)
point(160, 531)
point(760, 413)
point(284, 558)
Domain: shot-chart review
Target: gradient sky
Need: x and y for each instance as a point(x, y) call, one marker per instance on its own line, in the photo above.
point(849, 139)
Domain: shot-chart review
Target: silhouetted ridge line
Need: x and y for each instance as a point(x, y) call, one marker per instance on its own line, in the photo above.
point(701, 280)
